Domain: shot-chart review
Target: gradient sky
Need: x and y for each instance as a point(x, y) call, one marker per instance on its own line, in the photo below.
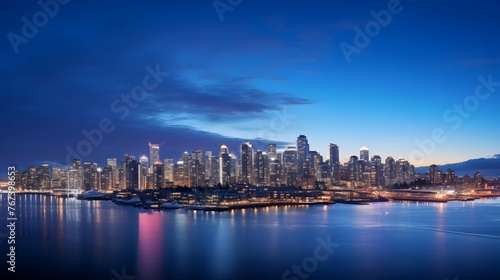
point(269, 69)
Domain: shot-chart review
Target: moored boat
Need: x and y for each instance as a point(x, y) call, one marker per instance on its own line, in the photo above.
point(92, 194)
point(172, 205)
point(131, 201)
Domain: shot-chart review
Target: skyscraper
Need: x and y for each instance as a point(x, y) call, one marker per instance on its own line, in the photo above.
point(274, 173)
point(158, 176)
point(133, 175)
point(112, 162)
point(390, 171)
point(143, 161)
point(208, 166)
point(196, 169)
point(168, 169)
point(114, 165)
point(246, 157)
point(224, 165)
point(290, 166)
point(143, 175)
point(260, 168)
point(89, 175)
point(334, 163)
point(302, 156)
point(353, 168)
point(154, 154)
point(334, 153)
point(364, 154)
point(434, 176)
point(271, 151)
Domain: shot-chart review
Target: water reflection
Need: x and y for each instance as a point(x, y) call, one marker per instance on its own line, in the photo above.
point(150, 255)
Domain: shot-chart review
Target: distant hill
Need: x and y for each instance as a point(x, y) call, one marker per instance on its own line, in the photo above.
point(489, 167)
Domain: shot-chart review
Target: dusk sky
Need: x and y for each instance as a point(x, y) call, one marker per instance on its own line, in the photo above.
point(261, 69)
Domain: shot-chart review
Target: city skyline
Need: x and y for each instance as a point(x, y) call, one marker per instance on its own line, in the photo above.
point(294, 166)
point(258, 72)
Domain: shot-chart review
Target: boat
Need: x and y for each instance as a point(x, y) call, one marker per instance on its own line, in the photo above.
point(131, 201)
point(172, 205)
point(92, 194)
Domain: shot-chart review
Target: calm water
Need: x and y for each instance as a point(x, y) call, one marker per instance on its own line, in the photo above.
point(71, 239)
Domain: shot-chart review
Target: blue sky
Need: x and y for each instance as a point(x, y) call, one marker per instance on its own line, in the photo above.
point(269, 69)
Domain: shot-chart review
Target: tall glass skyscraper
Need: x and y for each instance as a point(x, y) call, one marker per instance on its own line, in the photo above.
point(154, 155)
point(302, 156)
point(364, 154)
point(246, 157)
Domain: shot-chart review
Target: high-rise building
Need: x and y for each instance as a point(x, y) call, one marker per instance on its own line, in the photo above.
point(112, 162)
point(224, 166)
point(114, 165)
point(274, 173)
point(434, 176)
point(353, 169)
point(404, 171)
point(154, 154)
point(158, 178)
point(133, 172)
point(208, 167)
point(271, 150)
point(390, 171)
point(43, 176)
point(74, 179)
point(196, 169)
point(334, 163)
point(89, 175)
point(302, 156)
point(324, 172)
point(377, 171)
point(214, 173)
point(246, 156)
point(76, 164)
point(168, 170)
point(107, 178)
point(315, 159)
point(57, 177)
point(450, 177)
point(260, 168)
point(290, 163)
point(143, 161)
point(143, 172)
point(234, 168)
point(181, 171)
point(364, 154)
